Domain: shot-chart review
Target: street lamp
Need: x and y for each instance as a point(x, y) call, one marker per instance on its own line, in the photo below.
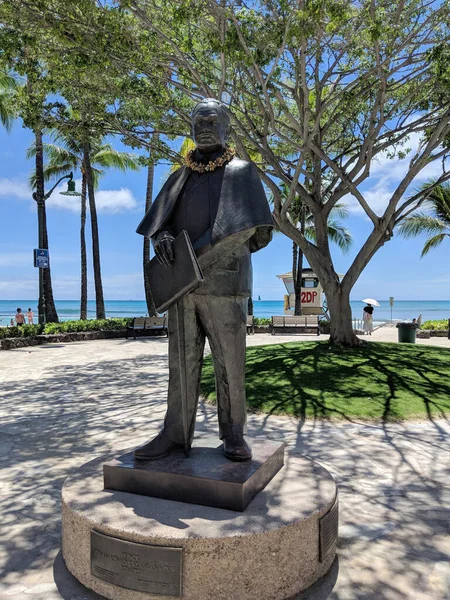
point(70, 189)
point(40, 201)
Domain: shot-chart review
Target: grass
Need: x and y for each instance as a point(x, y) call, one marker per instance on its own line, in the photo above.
point(380, 381)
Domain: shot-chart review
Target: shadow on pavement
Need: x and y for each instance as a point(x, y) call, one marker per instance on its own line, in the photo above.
point(68, 586)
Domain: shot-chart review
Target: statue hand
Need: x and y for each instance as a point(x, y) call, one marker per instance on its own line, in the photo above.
point(164, 249)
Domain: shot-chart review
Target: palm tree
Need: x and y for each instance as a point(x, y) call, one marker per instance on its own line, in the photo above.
point(151, 309)
point(435, 221)
point(74, 155)
point(302, 218)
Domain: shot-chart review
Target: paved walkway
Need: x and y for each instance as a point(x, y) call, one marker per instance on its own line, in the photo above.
point(62, 405)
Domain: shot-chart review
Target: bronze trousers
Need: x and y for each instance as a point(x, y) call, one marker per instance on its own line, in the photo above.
point(222, 320)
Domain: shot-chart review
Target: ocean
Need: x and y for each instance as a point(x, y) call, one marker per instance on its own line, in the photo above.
point(70, 309)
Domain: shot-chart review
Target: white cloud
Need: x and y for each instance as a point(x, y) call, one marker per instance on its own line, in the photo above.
point(114, 201)
point(15, 259)
point(14, 188)
point(17, 287)
point(385, 175)
point(107, 201)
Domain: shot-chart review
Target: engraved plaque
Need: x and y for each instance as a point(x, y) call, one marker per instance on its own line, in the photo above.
point(328, 531)
point(141, 567)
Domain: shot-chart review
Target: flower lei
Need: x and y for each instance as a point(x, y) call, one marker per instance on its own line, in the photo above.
point(228, 155)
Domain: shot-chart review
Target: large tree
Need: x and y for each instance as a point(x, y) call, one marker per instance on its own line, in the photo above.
point(319, 89)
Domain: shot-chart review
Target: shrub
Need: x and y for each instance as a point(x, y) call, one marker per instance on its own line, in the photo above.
point(65, 327)
point(325, 326)
point(24, 331)
point(88, 325)
point(441, 324)
point(262, 321)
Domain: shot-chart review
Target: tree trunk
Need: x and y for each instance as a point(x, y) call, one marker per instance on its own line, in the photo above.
point(298, 280)
point(83, 297)
point(298, 284)
point(151, 309)
point(250, 306)
point(47, 303)
point(294, 270)
point(341, 331)
point(99, 301)
point(51, 316)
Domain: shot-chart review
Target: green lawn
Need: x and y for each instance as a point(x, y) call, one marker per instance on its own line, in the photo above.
point(374, 381)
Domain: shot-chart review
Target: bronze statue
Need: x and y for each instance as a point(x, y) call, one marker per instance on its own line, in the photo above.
point(220, 201)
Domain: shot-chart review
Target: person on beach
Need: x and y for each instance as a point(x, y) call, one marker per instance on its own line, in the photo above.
point(368, 319)
point(11, 323)
point(20, 318)
point(30, 316)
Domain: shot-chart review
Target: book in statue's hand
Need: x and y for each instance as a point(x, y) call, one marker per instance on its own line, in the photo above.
point(170, 283)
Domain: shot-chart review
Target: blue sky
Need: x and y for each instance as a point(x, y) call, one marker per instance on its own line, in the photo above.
point(396, 270)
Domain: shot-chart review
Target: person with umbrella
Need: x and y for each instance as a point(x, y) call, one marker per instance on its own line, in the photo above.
point(368, 315)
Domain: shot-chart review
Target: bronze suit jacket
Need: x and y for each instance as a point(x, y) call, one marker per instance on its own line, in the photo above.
point(243, 225)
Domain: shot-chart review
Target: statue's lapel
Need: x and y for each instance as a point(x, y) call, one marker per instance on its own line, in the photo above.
point(164, 203)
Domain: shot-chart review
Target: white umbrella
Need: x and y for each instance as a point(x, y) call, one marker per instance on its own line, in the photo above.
point(371, 301)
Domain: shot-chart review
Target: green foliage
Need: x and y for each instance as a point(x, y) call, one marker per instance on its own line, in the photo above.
point(381, 381)
point(116, 324)
point(23, 331)
point(88, 325)
point(435, 223)
point(262, 321)
point(441, 325)
point(325, 326)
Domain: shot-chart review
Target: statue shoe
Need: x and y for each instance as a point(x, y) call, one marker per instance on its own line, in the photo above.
point(158, 447)
point(236, 448)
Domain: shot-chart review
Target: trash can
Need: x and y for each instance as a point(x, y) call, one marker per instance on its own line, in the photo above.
point(407, 332)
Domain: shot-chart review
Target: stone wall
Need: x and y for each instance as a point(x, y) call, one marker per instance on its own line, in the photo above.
point(21, 342)
point(429, 333)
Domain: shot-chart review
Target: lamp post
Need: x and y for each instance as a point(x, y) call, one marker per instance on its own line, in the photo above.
point(40, 201)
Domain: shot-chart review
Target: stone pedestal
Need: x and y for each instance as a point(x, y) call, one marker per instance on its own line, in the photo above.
point(206, 477)
point(280, 545)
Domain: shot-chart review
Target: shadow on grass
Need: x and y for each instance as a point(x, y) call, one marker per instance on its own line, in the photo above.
point(381, 381)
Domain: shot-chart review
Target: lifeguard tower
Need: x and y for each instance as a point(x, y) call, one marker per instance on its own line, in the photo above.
point(312, 295)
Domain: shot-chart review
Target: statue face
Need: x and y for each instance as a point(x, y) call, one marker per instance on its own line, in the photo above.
point(209, 129)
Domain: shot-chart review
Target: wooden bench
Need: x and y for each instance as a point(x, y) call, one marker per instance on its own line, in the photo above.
point(301, 323)
point(250, 324)
point(148, 324)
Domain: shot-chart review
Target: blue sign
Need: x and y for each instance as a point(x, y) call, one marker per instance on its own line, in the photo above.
point(41, 258)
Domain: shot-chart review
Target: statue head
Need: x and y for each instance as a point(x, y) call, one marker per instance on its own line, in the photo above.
point(210, 125)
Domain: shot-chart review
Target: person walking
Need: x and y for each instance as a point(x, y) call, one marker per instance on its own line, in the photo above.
point(30, 316)
point(20, 318)
point(368, 319)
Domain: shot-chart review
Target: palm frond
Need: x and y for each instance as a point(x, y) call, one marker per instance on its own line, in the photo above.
point(339, 235)
point(50, 172)
point(339, 211)
point(310, 233)
point(420, 223)
point(433, 242)
point(56, 155)
point(67, 141)
point(6, 114)
point(108, 157)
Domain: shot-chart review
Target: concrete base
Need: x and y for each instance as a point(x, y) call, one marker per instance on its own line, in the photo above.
point(272, 551)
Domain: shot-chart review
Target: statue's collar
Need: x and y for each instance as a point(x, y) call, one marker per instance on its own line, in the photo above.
point(206, 158)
